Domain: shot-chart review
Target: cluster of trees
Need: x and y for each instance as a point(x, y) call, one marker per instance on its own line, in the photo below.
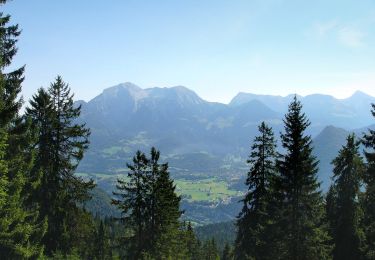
point(286, 216)
point(151, 215)
point(39, 152)
point(150, 209)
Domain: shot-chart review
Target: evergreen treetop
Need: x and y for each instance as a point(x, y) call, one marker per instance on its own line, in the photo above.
point(253, 238)
point(300, 198)
point(150, 209)
point(59, 145)
point(344, 213)
point(20, 232)
point(368, 198)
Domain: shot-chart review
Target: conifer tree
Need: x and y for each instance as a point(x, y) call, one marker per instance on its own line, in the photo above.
point(20, 232)
point(15, 230)
point(132, 204)
point(102, 246)
point(331, 212)
point(345, 212)
point(253, 222)
point(80, 233)
point(193, 245)
point(167, 210)
point(227, 253)
point(303, 236)
point(60, 145)
point(150, 209)
point(4, 183)
point(40, 112)
point(369, 194)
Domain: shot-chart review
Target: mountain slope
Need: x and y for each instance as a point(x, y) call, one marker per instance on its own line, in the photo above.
point(200, 137)
point(100, 204)
point(204, 142)
point(326, 147)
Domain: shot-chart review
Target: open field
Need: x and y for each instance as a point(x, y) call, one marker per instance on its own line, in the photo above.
point(204, 190)
point(209, 189)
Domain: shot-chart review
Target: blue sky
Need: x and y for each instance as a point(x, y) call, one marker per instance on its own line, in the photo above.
point(216, 48)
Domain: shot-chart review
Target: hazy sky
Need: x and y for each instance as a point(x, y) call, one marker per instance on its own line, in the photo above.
point(216, 48)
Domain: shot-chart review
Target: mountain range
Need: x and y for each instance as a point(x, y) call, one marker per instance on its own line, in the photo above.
point(207, 140)
point(183, 126)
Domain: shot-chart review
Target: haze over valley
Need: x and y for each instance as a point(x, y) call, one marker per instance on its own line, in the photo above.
point(205, 143)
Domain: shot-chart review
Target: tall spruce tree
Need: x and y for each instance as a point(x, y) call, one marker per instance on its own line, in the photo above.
point(192, 244)
point(41, 114)
point(60, 145)
point(253, 238)
point(369, 194)
point(344, 211)
point(20, 232)
point(303, 236)
point(132, 194)
point(167, 211)
point(150, 209)
point(331, 212)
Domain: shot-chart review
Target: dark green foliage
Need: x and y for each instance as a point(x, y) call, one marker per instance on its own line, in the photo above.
point(19, 235)
point(343, 207)
point(223, 233)
point(11, 81)
point(210, 251)
point(106, 238)
point(20, 232)
point(227, 253)
point(102, 243)
point(132, 205)
point(369, 195)
point(331, 211)
point(150, 209)
point(59, 146)
point(166, 226)
point(100, 204)
point(301, 203)
point(3, 171)
point(193, 244)
point(253, 238)
point(79, 233)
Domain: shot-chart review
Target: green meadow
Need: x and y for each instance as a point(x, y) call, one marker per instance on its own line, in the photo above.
point(210, 189)
point(204, 190)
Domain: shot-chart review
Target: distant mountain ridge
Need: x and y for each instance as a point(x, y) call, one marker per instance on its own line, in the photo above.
point(351, 113)
point(198, 136)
